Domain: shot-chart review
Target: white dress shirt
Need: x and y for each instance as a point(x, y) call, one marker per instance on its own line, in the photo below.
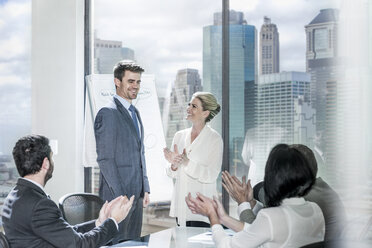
point(295, 223)
point(199, 175)
point(126, 105)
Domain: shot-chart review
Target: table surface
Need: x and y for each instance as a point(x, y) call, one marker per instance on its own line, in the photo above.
point(176, 237)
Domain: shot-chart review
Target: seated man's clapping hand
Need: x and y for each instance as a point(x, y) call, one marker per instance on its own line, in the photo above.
point(117, 209)
point(121, 208)
point(104, 213)
point(240, 191)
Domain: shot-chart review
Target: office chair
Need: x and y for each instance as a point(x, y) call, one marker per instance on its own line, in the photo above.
point(258, 192)
point(320, 244)
point(3, 241)
point(80, 207)
point(341, 243)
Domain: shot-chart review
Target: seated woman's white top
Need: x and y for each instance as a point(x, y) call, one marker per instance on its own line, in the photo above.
point(199, 175)
point(294, 223)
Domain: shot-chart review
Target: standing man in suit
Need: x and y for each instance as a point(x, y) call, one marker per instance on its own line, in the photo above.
point(120, 151)
point(32, 219)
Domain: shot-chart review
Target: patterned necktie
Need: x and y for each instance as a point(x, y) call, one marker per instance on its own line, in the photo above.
point(134, 118)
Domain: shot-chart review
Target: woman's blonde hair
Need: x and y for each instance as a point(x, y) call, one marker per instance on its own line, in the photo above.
point(209, 102)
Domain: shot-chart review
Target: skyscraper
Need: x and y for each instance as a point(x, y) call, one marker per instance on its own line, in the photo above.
point(269, 48)
point(186, 84)
point(107, 53)
point(331, 137)
point(322, 64)
point(283, 116)
point(243, 68)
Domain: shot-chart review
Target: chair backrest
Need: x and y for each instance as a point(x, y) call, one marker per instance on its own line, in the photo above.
point(3, 241)
point(341, 243)
point(80, 207)
point(256, 191)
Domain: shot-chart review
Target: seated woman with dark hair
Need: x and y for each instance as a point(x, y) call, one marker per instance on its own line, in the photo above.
point(288, 220)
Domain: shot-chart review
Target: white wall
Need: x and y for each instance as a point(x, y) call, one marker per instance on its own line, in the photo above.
point(58, 87)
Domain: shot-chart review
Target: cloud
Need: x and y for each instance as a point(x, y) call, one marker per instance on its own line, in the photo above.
point(166, 35)
point(15, 85)
point(12, 47)
point(15, 29)
point(15, 103)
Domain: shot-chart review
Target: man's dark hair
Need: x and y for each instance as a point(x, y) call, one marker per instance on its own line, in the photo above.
point(287, 174)
point(309, 155)
point(29, 153)
point(126, 65)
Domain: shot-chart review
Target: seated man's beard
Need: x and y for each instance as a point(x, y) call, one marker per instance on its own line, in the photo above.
point(48, 175)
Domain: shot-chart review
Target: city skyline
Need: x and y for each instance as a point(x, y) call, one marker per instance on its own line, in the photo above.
point(168, 39)
point(282, 115)
point(173, 45)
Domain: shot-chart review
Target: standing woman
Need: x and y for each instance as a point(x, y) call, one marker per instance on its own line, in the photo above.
point(196, 158)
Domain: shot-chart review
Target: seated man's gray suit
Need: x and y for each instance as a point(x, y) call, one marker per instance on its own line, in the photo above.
point(328, 201)
point(31, 219)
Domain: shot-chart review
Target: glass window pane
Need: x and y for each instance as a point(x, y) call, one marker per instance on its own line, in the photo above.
point(310, 95)
point(285, 76)
point(15, 85)
point(169, 41)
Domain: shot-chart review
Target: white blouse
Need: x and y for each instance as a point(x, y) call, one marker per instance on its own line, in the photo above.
point(295, 223)
point(199, 175)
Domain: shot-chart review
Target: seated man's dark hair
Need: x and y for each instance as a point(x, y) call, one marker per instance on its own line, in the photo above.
point(29, 153)
point(308, 154)
point(287, 174)
point(126, 65)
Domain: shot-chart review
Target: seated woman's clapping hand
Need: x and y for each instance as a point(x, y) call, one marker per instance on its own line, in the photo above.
point(205, 206)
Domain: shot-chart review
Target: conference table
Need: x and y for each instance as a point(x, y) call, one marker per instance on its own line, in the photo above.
point(194, 237)
point(176, 237)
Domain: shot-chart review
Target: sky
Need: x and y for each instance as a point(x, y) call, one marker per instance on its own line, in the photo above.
point(15, 84)
point(167, 35)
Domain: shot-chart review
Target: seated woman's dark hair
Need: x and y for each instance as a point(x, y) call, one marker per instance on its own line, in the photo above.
point(287, 174)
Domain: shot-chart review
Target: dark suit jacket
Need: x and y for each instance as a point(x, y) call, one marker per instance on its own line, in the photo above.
point(120, 153)
point(121, 159)
point(328, 201)
point(31, 219)
point(332, 207)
